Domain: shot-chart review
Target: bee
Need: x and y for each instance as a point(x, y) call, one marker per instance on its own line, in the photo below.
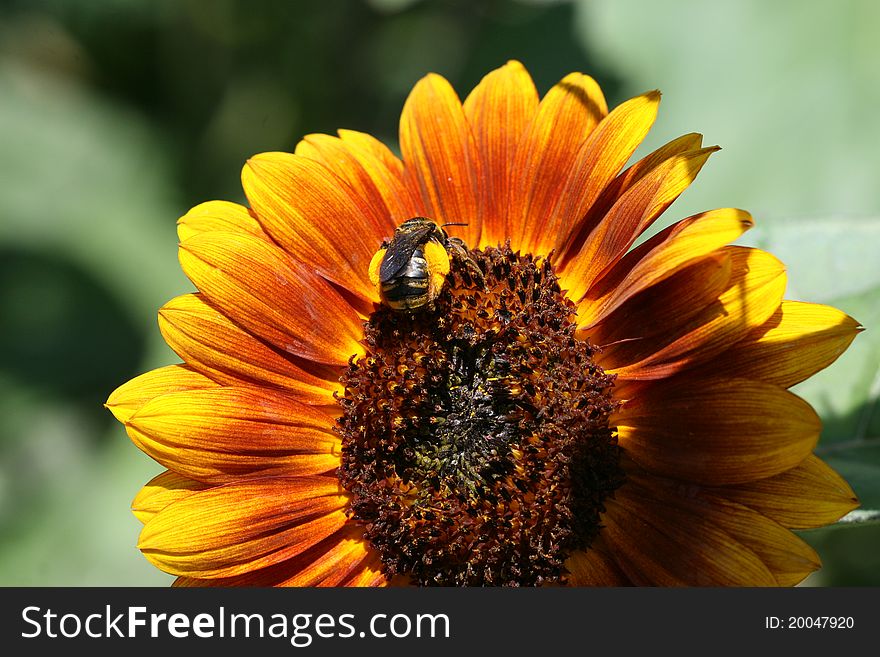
point(409, 271)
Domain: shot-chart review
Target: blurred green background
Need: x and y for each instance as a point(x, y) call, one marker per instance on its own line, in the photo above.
point(117, 116)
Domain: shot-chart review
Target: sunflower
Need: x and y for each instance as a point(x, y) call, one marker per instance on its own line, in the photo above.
point(560, 406)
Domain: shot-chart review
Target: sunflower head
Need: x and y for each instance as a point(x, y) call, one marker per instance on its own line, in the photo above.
point(526, 398)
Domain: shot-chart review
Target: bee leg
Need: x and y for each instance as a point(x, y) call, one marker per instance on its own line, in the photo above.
point(458, 248)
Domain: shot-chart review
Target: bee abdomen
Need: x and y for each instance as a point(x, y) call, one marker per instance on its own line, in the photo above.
point(409, 289)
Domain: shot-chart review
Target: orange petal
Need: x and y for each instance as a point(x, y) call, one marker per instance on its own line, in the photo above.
point(663, 310)
point(786, 556)
point(809, 495)
point(498, 110)
point(210, 342)
point(595, 567)
point(797, 341)
point(717, 431)
point(328, 563)
point(666, 253)
point(220, 435)
point(387, 172)
point(753, 294)
point(130, 396)
point(565, 118)
point(338, 157)
point(233, 529)
point(269, 294)
point(621, 184)
point(661, 545)
point(598, 161)
point(334, 566)
point(370, 574)
point(218, 215)
point(441, 156)
point(161, 491)
point(628, 218)
point(316, 217)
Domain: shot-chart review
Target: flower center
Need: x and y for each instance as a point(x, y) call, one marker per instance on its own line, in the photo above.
point(475, 438)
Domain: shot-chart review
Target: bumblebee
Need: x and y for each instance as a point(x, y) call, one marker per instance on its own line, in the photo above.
point(409, 270)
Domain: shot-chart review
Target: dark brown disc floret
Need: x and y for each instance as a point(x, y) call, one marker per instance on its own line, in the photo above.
point(476, 441)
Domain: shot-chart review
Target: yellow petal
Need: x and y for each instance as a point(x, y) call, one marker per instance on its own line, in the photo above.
point(387, 173)
point(785, 555)
point(218, 215)
point(272, 296)
point(663, 255)
point(753, 294)
point(717, 431)
point(161, 491)
point(329, 563)
point(221, 435)
point(661, 545)
point(340, 158)
point(211, 342)
point(130, 396)
point(797, 341)
point(619, 186)
point(809, 495)
point(234, 529)
point(664, 310)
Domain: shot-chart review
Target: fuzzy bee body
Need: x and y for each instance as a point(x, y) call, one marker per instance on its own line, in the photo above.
point(409, 270)
point(411, 287)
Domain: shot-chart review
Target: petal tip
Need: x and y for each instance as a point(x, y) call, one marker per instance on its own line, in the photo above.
point(745, 219)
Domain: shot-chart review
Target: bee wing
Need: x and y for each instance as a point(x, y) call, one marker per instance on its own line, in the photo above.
point(400, 251)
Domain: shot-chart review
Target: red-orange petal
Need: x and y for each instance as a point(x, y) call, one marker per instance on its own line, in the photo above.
point(797, 341)
point(633, 212)
point(209, 341)
point(441, 157)
point(621, 184)
point(598, 161)
point(498, 110)
point(240, 527)
point(753, 294)
point(316, 217)
point(221, 435)
point(338, 157)
point(387, 173)
point(328, 563)
point(717, 431)
point(565, 118)
point(128, 398)
point(370, 574)
point(809, 495)
point(276, 298)
point(660, 257)
point(218, 215)
point(664, 310)
point(162, 490)
point(344, 560)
